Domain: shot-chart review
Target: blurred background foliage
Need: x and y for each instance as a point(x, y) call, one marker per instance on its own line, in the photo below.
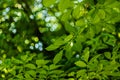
point(59, 33)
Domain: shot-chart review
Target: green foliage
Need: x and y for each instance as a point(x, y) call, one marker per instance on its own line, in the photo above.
point(47, 3)
point(60, 40)
point(13, 69)
point(64, 5)
point(80, 64)
point(58, 57)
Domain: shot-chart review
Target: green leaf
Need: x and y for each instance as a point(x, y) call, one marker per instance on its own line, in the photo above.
point(42, 71)
point(69, 28)
point(7, 62)
point(20, 76)
point(52, 47)
point(94, 58)
point(64, 4)
point(24, 57)
point(105, 62)
point(56, 44)
point(96, 19)
point(58, 57)
point(43, 30)
point(17, 61)
point(48, 3)
point(31, 66)
point(31, 72)
point(107, 55)
point(53, 66)
point(108, 2)
point(86, 54)
point(93, 75)
point(13, 72)
point(116, 74)
point(115, 4)
point(111, 73)
point(100, 67)
point(109, 28)
point(78, 12)
point(68, 38)
point(109, 39)
point(27, 76)
point(71, 79)
point(66, 16)
point(71, 74)
point(81, 72)
point(101, 13)
point(30, 57)
point(90, 33)
point(97, 29)
point(80, 64)
point(59, 42)
point(101, 1)
point(68, 52)
point(80, 22)
point(57, 72)
point(41, 62)
point(94, 16)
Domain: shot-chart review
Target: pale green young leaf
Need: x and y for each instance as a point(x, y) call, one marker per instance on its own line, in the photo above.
point(80, 64)
point(58, 57)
